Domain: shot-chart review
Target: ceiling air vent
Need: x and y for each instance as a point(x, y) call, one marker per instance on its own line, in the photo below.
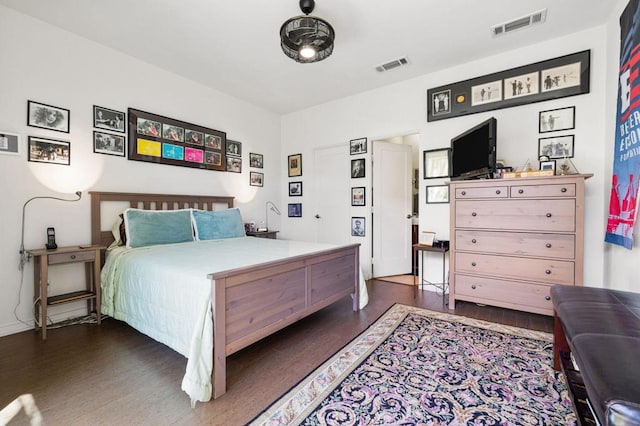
point(393, 64)
point(515, 24)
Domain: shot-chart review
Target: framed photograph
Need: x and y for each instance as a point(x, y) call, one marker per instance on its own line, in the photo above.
point(358, 196)
point(109, 119)
point(108, 143)
point(295, 165)
point(437, 194)
point(234, 164)
point(256, 179)
point(548, 165)
point(173, 133)
point(358, 146)
point(295, 189)
point(436, 163)
point(556, 147)
point(43, 150)
point(163, 140)
point(486, 93)
point(441, 102)
point(234, 148)
point(553, 120)
point(255, 160)
point(295, 210)
point(357, 168)
point(9, 143)
point(358, 227)
point(48, 117)
point(536, 82)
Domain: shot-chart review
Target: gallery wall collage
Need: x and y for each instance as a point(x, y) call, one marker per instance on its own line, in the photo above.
point(358, 193)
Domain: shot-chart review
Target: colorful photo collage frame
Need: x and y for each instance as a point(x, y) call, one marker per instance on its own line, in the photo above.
point(157, 139)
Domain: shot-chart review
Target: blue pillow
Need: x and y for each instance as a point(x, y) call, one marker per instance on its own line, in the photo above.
point(211, 225)
point(152, 227)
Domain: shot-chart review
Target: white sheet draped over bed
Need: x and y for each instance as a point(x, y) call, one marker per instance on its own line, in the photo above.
point(163, 292)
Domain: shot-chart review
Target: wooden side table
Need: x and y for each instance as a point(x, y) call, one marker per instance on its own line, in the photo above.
point(42, 259)
point(263, 234)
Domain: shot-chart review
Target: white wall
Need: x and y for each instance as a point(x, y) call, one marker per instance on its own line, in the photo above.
point(401, 109)
point(43, 63)
point(622, 267)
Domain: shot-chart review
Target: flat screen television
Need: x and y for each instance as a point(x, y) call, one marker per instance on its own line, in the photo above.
point(473, 153)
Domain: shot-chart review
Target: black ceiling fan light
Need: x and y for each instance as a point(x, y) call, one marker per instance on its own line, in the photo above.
point(305, 38)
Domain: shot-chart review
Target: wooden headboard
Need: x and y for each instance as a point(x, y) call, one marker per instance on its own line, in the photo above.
point(146, 202)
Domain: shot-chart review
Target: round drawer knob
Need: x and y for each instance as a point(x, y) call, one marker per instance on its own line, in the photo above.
point(473, 241)
point(548, 272)
point(549, 214)
point(464, 193)
point(547, 298)
point(73, 256)
point(520, 191)
point(473, 286)
point(498, 191)
point(548, 245)
point(563, 190)
point(473, 263)
point(474, 214)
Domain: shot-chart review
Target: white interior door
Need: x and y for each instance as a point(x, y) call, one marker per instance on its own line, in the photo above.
point(392, 169)
point(331, 175)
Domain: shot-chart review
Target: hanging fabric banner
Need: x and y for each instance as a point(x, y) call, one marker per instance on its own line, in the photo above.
point(626, 155)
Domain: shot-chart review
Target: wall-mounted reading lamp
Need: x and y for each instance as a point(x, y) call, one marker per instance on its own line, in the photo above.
point(268, 206)
point(24, 256)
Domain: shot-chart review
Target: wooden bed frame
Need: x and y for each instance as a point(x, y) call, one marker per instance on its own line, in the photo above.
point(253, 302)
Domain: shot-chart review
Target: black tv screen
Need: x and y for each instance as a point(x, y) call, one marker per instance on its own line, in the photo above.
point(473, 153)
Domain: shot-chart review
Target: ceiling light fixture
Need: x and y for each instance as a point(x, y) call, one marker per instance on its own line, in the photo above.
point(305, 38)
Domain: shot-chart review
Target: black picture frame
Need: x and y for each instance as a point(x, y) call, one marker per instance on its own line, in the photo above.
point(437, 194)
point(256, 160)
point(234, 148)
point(359, 196)
point(234, 164)
point(295, 165)
point(295, 189)
point(358, 168)
point(256, 179)
point(358, 146)
point(10, 143)
point(109, 119)
point(555, 147)
point(148, 143)
point(109, 143)
point(48, 117)
point(548, 165)
point(555, 78)
point(358, 227)
point(436, 163)
point(294, 209)
point(52, 151)
point(554, 120)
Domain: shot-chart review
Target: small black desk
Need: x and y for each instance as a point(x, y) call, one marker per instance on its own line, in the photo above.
point(444, 285)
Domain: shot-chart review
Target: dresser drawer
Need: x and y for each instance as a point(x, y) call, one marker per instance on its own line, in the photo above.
point(509, 292)
point(555, 190)
point(540, 270)
point(76, 256)
point(483, 192)
point(560, 246)
point(526, 215)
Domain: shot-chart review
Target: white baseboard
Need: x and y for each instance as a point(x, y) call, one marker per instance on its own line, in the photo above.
point(18, 327)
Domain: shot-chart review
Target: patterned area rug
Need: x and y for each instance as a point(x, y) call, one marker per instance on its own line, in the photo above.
point(415, 366)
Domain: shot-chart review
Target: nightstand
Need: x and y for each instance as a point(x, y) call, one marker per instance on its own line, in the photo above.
point(43, 259)
point(263, 234)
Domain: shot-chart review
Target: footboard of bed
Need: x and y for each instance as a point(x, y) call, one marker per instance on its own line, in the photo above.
point(252, 303)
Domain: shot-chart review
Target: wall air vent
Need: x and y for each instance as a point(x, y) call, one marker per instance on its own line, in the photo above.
point(523, 22)
point(393, 64)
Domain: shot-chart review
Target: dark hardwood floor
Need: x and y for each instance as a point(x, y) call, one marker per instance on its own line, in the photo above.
point(111, 374)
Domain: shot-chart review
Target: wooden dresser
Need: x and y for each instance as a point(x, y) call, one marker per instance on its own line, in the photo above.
point(513, 239)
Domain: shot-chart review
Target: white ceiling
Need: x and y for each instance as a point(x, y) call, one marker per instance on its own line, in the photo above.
point(233, 46)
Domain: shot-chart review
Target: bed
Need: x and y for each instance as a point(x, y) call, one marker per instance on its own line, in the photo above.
point(239, 300)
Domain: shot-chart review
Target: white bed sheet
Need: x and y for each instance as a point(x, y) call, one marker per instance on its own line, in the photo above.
point(163, 292)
